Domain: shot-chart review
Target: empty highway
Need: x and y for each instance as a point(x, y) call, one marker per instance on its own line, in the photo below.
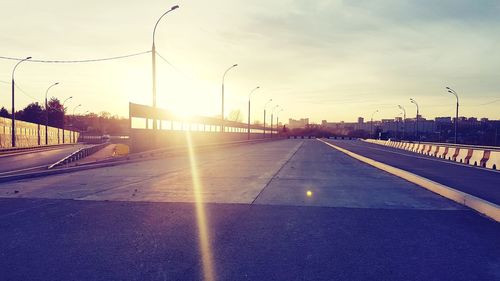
point(280, 210)
point(17, 161)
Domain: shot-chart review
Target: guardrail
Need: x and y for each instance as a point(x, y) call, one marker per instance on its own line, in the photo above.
point(482, 156)
point(79, 154)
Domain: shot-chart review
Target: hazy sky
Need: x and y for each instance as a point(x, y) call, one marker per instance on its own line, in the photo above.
point(333, 60)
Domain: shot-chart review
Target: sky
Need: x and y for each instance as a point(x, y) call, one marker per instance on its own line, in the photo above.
point(324, 60)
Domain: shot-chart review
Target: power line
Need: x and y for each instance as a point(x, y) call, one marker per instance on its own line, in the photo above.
point(78, 61)
point(20, 89)
point(173, 66)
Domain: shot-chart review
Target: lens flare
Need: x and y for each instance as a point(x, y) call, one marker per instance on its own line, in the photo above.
point(204, 240)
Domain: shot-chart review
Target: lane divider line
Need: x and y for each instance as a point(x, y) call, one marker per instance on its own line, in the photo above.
point(482, 206)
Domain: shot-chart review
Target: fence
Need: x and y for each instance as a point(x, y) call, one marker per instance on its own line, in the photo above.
point(31, 134)
point(171, 129)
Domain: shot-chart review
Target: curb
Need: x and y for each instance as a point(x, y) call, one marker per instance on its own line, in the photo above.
point(487, 208)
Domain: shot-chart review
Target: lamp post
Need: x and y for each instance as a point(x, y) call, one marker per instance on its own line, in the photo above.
point(277, 120)
point(265, 106)
point(64, 112)
point(416, 130)
point(451, 91)
point(222, 113)
point(153, 56)
point(13, 115)
point(371, 123)
point(74, 139)
point(249, 95)
point(272, 113)
point(404, 120)
point(76, 108)
point(47, 114)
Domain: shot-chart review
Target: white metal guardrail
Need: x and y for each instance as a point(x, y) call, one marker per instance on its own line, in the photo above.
point(79, 154)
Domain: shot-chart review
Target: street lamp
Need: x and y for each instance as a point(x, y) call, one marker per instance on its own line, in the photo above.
point(404, 119)
point(451, 91)
point(249, 95)
point(371, 123)
point(153, 56)
point(222, 114)
point(416, 131)
point(75, 109)
point(272, 113)
point(64, 113)
point(13, 115)
point(277, 120)
point(265, 106)
point(47, 114)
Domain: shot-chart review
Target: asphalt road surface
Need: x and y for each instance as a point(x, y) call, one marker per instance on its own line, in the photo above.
point(282, 210)
point(33, 159)
point(481, 182)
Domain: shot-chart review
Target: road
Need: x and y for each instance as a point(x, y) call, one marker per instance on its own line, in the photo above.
point(480, 182)
point(21, 161)
point(281, 210)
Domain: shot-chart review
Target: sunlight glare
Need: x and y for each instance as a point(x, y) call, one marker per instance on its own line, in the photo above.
point(205, 248)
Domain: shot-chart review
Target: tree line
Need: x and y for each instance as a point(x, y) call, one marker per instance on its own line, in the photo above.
point(89, 123)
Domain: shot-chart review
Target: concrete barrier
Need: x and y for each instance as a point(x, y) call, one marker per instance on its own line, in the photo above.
point(494, 160)
point(433, 151)
point(466, 154)
point(441, 153)
point(453, 153)
point(476, 157)
point(463, 155)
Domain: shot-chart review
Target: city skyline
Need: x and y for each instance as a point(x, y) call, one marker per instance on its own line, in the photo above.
point(339, 60)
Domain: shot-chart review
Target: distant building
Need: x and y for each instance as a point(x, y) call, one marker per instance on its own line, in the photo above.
point(301, 123)
point(361, 120)
point(445, 120)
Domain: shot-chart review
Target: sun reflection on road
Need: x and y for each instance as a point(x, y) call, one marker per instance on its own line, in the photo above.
point(204, 239)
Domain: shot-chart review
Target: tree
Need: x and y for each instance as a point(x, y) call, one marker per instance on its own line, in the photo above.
point(4, 112)
point(56, 113)
point(33, 113)
point(235, 115)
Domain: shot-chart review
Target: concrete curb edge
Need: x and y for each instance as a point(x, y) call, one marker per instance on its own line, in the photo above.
point(487, 208)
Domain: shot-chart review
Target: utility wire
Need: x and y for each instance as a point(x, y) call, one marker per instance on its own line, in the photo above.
point(78, 61)
point(171, 65)
point(20, 89)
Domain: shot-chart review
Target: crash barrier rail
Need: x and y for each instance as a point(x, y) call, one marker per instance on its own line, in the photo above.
point(32, 134)
point(481, 156)
point(79, 154)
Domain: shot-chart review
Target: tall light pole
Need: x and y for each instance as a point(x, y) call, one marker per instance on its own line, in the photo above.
point(249, 96)
point(277, 121)
point(64, 113)
point(47, 114)
point(13, 115)
point(222, 107)
point(451, 91)
point(416, 131)
point(153, 56)
point(75, 109)
point(265, 106)
point(272, 113)
point(404, 119)
point(371, 123)
point(74, 139)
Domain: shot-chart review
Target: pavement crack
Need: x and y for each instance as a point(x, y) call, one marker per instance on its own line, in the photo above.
point(277, 172)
